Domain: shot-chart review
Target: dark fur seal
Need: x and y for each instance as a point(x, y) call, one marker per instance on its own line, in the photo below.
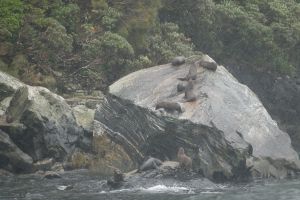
point(192, 74)
point(188, 93)
point(9, 119)
point(150, 163)
point(184, 161)
point(179, 60)
point(209, 65)
point(180, 87)
point(117, 181)
point(169, 106)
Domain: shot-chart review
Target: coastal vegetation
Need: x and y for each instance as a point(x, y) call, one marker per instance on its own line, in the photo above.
point(72, 44)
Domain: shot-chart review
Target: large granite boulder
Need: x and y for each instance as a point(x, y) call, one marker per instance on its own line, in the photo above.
point(225, 124)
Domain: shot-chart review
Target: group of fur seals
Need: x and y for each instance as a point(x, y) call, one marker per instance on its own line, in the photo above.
point(188, 88)
point(169, 106)
point(185, 162)
point(150, 163)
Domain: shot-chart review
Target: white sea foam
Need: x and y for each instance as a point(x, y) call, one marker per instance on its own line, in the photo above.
point(167, 189)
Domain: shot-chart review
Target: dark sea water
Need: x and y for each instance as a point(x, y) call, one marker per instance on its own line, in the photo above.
point(87, 186)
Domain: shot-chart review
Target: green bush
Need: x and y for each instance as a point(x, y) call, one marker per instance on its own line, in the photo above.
point(167, 43)
point(11, 13)
point(68, 16)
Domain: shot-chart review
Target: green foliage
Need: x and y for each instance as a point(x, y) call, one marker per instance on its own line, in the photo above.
point(139, 18)
point(11, 13)
point(167, 43)
point(68, 16)
point(110, 18)
point(263, 34)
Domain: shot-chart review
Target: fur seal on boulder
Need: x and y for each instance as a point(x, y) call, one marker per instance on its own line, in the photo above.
point(192, 74)
point(188, 92)
point(180, 87)
point(179, 60)
point(185, 162)
point(169, 106)
point(208, 65)
point(150, 163)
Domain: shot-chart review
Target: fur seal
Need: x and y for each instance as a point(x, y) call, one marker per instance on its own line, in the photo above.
point(179, 60)
point(118, 179)
point(8, 119)
point(188, 92)
point(150, 163)
point(208, 65)
point(169, 106)
point(192, 74)
point(180, 87)
point(185, 162)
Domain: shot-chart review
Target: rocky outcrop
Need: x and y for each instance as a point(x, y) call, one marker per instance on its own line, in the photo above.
point(51, 129)
point(226, 124)
point(41, 123)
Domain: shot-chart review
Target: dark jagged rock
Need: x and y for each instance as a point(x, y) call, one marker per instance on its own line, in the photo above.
point(11, 157)
point(141, 132)
point(51, 129)
point(41, 123)
point(227, 106)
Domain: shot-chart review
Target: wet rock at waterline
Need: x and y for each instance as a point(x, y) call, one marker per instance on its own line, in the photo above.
point(11, 157)
point(227, 119)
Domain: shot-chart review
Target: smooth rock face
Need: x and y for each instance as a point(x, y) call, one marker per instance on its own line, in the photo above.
point(222, 102)
point(11, 157)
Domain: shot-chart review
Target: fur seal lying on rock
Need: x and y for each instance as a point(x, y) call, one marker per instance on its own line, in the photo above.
point(150, 163)
point(180, 87)
point(169, 106)
point(188, 92)
point(192, 74)
point(208, 65)
point(179, 60)
point(185, 162)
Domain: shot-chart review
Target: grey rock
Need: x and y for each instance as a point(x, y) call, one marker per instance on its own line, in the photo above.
point(51, 128)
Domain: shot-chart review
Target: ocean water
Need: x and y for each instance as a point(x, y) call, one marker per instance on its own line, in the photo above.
point(86, 186)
